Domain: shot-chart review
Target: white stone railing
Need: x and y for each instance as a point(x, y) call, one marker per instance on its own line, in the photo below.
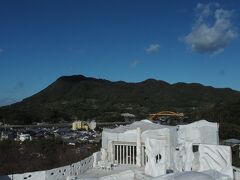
point(60, 173)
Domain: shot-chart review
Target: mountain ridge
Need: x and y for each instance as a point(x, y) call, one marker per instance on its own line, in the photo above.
point(88, 97)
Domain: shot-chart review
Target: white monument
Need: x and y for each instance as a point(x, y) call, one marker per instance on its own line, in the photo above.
point(161, 149)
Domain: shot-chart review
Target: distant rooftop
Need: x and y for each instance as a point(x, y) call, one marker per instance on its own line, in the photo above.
point(232, 141)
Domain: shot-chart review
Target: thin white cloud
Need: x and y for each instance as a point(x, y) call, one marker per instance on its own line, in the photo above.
point(152, 48)
point(134, 63)
point(213, 29)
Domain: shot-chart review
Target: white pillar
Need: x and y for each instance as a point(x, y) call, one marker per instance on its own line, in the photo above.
point(133, 155)
point(127, 154)
point(130, 154)
point(96, 158)
point(119, 149)
point(138, 157)
point(117, 153)
point(120, 154)
point(110, 151)
point(124, 155)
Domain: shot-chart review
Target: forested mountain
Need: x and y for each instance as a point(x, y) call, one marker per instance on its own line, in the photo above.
point(103, 100)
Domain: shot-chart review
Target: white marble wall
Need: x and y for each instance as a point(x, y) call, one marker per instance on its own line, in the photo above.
point(60, 173)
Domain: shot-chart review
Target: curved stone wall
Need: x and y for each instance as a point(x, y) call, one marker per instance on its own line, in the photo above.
point(60, 173)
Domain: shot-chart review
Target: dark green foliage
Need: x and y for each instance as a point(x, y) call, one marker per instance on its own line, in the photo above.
point(36, 155)
point(88, 98)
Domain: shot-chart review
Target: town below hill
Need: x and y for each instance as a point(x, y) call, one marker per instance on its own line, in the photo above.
point(89, 98)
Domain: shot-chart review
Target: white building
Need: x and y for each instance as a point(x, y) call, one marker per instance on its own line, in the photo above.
point(24, 137)
point(165, 151)
point(128, 117)
point(92, 125)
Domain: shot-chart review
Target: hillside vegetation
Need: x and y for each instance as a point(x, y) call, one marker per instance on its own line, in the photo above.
point(103, 100)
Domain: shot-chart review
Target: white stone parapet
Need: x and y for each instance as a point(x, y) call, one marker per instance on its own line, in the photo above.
point(61, 173)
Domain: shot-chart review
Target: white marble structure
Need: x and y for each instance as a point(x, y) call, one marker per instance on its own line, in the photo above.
point(61, 173)
point(161, 149)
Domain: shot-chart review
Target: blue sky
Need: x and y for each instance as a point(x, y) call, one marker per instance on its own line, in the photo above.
point(174, 41)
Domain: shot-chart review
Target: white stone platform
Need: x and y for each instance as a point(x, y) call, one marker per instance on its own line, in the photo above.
point(99, 173)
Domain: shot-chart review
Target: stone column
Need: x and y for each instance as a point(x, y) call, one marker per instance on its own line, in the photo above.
point(117, 154)
point(139, 153)
point(131, 155)
point(120, 157)
point(110, 151)
point(127, 155)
